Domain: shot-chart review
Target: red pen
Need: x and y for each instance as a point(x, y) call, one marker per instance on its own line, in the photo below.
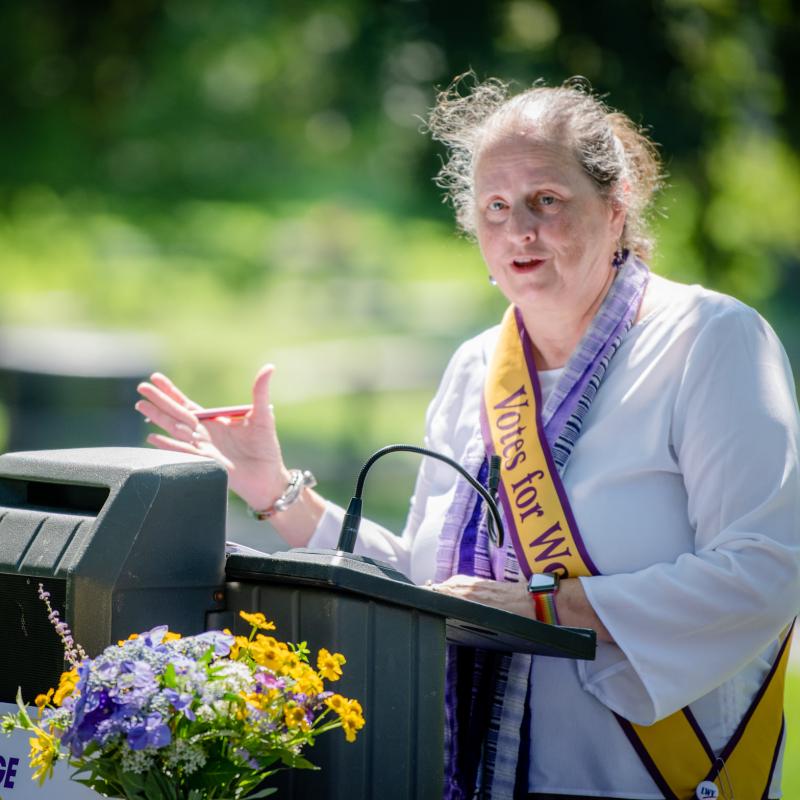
point(223, 411)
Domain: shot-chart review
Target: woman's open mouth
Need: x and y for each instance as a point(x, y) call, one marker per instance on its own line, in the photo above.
point(526, 263)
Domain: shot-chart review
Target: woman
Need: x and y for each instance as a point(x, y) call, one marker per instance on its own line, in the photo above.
point(648, 433)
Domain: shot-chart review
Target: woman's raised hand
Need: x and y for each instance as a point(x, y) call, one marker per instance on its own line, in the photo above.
point(246, 446)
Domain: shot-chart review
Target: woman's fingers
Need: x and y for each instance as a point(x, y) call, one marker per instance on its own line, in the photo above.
point(168, 443)
point(163, 402)
point(262, 408)
point(163, 383)
point(180, 430)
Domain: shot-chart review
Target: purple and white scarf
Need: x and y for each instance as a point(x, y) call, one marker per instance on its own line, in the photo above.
point(487, 695)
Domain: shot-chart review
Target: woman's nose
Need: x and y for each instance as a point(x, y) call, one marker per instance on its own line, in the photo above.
point(524, 224)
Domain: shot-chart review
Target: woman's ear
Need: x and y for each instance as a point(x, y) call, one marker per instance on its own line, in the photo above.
point(619, 208)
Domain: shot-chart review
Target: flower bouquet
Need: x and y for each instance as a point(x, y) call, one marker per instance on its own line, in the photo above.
point(205, 717)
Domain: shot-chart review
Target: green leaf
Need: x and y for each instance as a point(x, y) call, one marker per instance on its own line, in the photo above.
point(215, 774)
point(300, 650)
point(167, 785)
point(26, 721)
point(134, 785)
point(298, 762)
point(290, 759)
point(170, 676)
point(265, 761)
point(262, 793)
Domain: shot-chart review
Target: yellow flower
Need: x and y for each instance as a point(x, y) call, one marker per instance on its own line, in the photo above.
point(290, 664)
point(329, 665)
point(43, 699)
point(257, 620)
point(43, 754)
point(271, 641)
point(354, 707)
point(352, 720)
point(255, 699)
point(66, 686)
point(337, 703)
point(269, 652)
point(350, 713)
point(349, 732)
point(240, 643)
point(295, 717)
point(308, 682)
point(269, 697)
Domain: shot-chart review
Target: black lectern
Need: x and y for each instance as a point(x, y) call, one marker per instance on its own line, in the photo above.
point(126, 539)
point(394, 635)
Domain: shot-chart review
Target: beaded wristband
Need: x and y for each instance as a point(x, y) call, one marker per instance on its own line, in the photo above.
point(299, 479)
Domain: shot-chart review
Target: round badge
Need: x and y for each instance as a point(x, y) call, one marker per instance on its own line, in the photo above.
point(707, 790)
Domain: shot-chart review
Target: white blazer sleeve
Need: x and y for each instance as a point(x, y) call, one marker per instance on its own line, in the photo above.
point(686, 627)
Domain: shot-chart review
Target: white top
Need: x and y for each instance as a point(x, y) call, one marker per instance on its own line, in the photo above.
point(686, 489)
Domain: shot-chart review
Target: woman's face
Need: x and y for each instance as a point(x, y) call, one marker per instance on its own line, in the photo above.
point(546, 233)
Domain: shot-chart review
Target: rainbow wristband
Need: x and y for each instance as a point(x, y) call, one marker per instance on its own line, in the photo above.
point(545, 605)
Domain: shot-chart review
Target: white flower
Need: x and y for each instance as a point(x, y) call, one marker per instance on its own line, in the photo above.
point(189, 756)
point(136, 760)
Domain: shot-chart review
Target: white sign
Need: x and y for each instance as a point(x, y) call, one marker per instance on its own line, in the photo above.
point(15, 774)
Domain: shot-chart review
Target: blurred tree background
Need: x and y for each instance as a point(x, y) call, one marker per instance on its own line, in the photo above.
point(247, 181)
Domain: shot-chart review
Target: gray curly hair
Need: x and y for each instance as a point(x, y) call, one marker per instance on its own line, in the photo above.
point(616, 154)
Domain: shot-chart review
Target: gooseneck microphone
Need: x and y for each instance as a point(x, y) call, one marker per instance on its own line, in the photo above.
point(352, 518)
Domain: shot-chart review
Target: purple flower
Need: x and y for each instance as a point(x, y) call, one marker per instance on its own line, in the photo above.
point(143, 675)
point(181, 702)
point(70, 737)
point(247, 758)
point(221, 642)
point(106, 671)
point(154, 636)
point(135, 685)
point(152, 732)
point(266, 680)
point(182, 664)
point(97, 699)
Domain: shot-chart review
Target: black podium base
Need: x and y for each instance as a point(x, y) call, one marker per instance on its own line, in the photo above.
point(394, 636)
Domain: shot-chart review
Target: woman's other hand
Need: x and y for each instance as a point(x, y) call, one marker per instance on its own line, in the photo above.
point(511, 597)
point(572, 605)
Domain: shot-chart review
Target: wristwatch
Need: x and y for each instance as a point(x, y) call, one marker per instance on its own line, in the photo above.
point(542, 587)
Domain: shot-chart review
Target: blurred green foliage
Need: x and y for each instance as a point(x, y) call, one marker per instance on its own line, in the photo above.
point(247, 180)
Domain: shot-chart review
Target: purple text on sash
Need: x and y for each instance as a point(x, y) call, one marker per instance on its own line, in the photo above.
point(524, 492)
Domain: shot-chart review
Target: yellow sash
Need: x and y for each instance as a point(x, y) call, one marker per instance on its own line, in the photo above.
point(546, 539)
point(544, 532)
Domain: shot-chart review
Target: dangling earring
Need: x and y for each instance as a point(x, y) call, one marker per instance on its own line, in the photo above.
point(620, 257)
point(492, 281)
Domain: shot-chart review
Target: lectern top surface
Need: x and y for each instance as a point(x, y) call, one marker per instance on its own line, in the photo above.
point(468, 623)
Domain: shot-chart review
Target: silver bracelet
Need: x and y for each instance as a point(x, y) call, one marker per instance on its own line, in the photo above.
point(299, 479)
